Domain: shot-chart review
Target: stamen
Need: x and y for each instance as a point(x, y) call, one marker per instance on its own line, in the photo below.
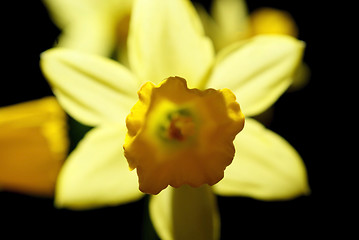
point(181, 128)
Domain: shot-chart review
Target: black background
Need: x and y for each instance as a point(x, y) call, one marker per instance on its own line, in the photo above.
point(300, 117)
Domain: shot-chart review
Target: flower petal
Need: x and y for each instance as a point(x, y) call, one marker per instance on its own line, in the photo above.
point(185, 213)
point(93, 34)
point(258, 71)
point(63, 12)
point(92, 89)
point(96, 172)
point(232, 19)
point(231, 15)
point(265, 167)
point(272, 21)
point(88, 25)
point(166, 39)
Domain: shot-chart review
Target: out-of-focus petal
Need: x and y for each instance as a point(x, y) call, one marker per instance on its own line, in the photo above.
point(89, 25)
point(272, 21)
point(66, 12)
point(96, 172)
point(231, 17)
point(258, 70)
point(33, 146)
point(301, 77)
point(185, 213)
point(265, 167)
point(210, 27)
point(93, 34)
point(91, 88)
point(63, 12)
point(166, 39)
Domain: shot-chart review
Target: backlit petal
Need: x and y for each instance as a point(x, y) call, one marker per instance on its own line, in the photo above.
point(258, 70)
point(166, 39)
point(96, 173)
point(92, 89)
point(265, 167)
point(185, 213)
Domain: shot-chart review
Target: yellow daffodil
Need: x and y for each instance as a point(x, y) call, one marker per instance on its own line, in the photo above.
point(167, 42)
point(33, 146)
point(94, 26)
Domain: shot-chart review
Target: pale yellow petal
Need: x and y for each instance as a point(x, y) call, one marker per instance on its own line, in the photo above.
point(166, 39)
point(89, 25)
point(265, 167)
point(92, 89)
point(231, 17)
point(95, 33)
point(64, 12)
point(258, 70)
point(185, 213)
point(96, 173)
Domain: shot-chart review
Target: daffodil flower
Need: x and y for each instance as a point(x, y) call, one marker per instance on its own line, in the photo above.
point(166, 39)
point(33, 146)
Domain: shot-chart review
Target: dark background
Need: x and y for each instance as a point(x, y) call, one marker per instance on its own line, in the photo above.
point(300, 117)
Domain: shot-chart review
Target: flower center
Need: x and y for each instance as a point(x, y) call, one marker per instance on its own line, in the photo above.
point(178, 126)
point(180, 136)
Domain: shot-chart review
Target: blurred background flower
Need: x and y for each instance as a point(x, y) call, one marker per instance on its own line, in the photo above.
point(33, 146)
